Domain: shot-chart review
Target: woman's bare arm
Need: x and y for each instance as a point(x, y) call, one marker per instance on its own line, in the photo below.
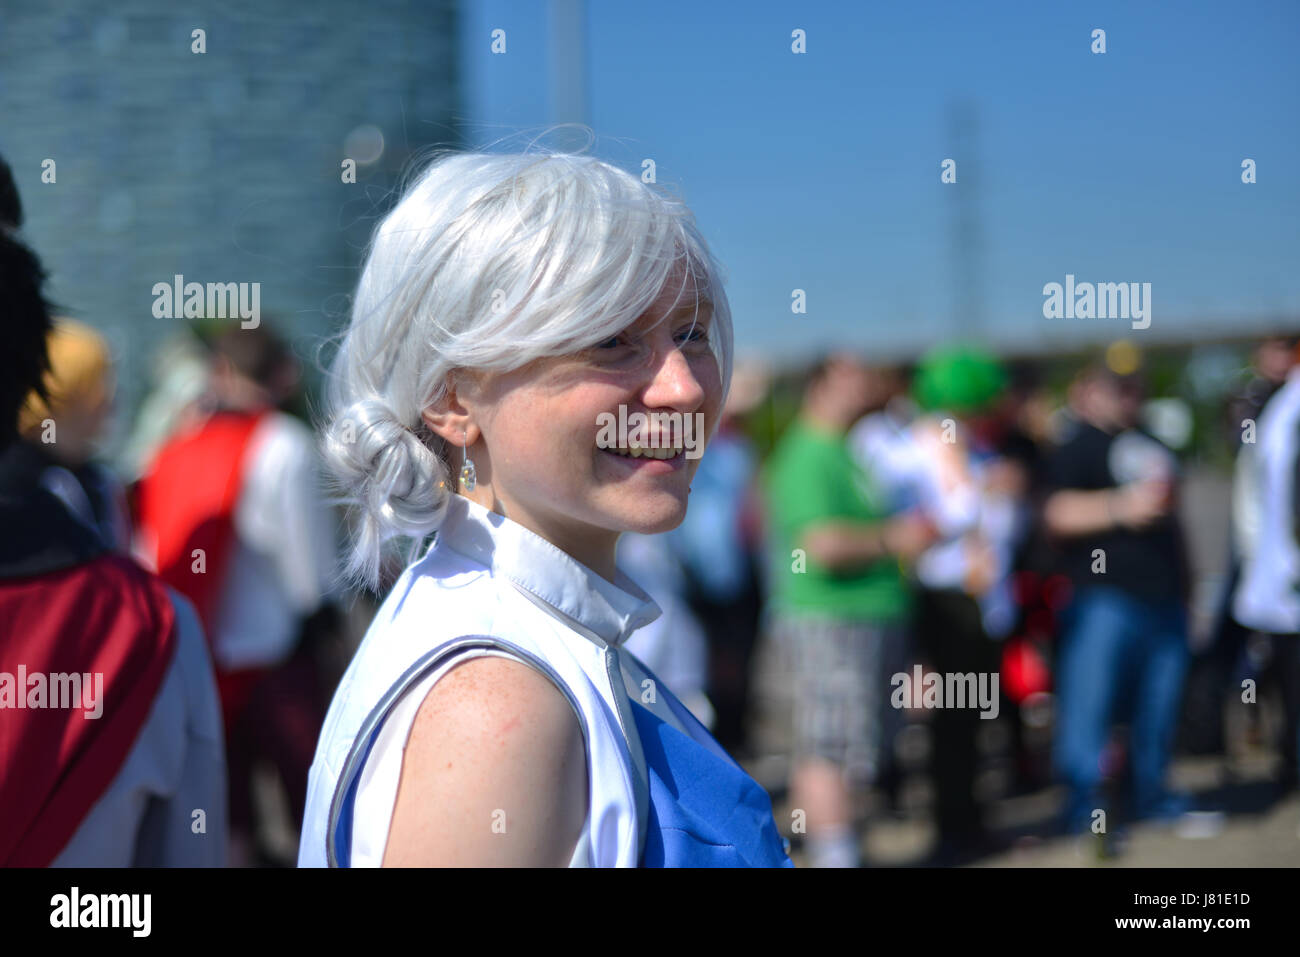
point(494, 773)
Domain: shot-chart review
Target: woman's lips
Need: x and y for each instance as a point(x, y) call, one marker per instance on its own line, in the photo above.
point(648, 464)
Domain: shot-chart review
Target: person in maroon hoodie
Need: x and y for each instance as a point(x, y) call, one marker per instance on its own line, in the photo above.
point(110, 732)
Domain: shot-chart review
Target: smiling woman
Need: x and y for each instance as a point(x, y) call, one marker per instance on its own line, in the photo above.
point(509, 306)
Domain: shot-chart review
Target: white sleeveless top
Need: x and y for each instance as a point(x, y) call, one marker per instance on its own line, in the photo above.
point(382, 771)
point(487, 586)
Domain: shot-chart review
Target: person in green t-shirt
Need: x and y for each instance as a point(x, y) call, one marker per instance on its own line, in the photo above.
point(838, 596)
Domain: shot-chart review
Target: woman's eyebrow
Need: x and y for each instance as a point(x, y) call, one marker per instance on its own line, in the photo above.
point(703, 310)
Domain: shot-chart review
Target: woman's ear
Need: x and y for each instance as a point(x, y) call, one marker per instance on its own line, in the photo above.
point(449, 419)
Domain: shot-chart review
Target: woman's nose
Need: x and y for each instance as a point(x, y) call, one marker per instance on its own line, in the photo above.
point(674, 383)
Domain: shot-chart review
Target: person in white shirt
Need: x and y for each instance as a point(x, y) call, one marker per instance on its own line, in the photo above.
point(674, 644)
point(509, 307)
point(280, 572)
point(1267, 598)
point(267, 538)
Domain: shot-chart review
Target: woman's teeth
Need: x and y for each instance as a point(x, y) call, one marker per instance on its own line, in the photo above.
point(637, 452)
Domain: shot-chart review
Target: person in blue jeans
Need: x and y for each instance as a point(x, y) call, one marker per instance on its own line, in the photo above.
point(1123, 652)
point(1118, 651)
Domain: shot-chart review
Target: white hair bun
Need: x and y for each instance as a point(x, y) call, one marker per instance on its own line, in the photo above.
point(398, 483)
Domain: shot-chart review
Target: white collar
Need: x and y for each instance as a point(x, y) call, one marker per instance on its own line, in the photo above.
point(612, 611)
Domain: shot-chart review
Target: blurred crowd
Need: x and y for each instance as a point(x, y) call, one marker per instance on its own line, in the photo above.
point(952, 517)
point(955, 518)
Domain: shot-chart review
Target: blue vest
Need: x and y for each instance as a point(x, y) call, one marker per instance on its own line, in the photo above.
point(705, 811)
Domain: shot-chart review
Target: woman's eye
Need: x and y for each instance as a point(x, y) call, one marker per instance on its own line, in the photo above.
point(696, 334)
point(613, 343)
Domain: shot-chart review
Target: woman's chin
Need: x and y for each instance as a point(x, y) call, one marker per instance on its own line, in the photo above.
point(660, 513)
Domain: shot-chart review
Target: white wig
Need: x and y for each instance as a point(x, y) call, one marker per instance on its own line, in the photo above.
point(489, 262)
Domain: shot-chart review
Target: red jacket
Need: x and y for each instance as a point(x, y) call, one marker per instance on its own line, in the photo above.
point(67, 607)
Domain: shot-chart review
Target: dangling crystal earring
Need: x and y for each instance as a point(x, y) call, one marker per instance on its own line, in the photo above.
point(467, 476)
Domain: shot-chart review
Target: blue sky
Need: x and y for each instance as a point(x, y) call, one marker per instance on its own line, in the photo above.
point(821, 170)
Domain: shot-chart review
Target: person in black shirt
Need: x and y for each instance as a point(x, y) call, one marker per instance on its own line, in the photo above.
point(1123, 650)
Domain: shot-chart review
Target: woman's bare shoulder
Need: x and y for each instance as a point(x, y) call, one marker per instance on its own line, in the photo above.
point(496, 749)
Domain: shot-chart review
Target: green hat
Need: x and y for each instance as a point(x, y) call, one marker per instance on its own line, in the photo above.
point(961, 379)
